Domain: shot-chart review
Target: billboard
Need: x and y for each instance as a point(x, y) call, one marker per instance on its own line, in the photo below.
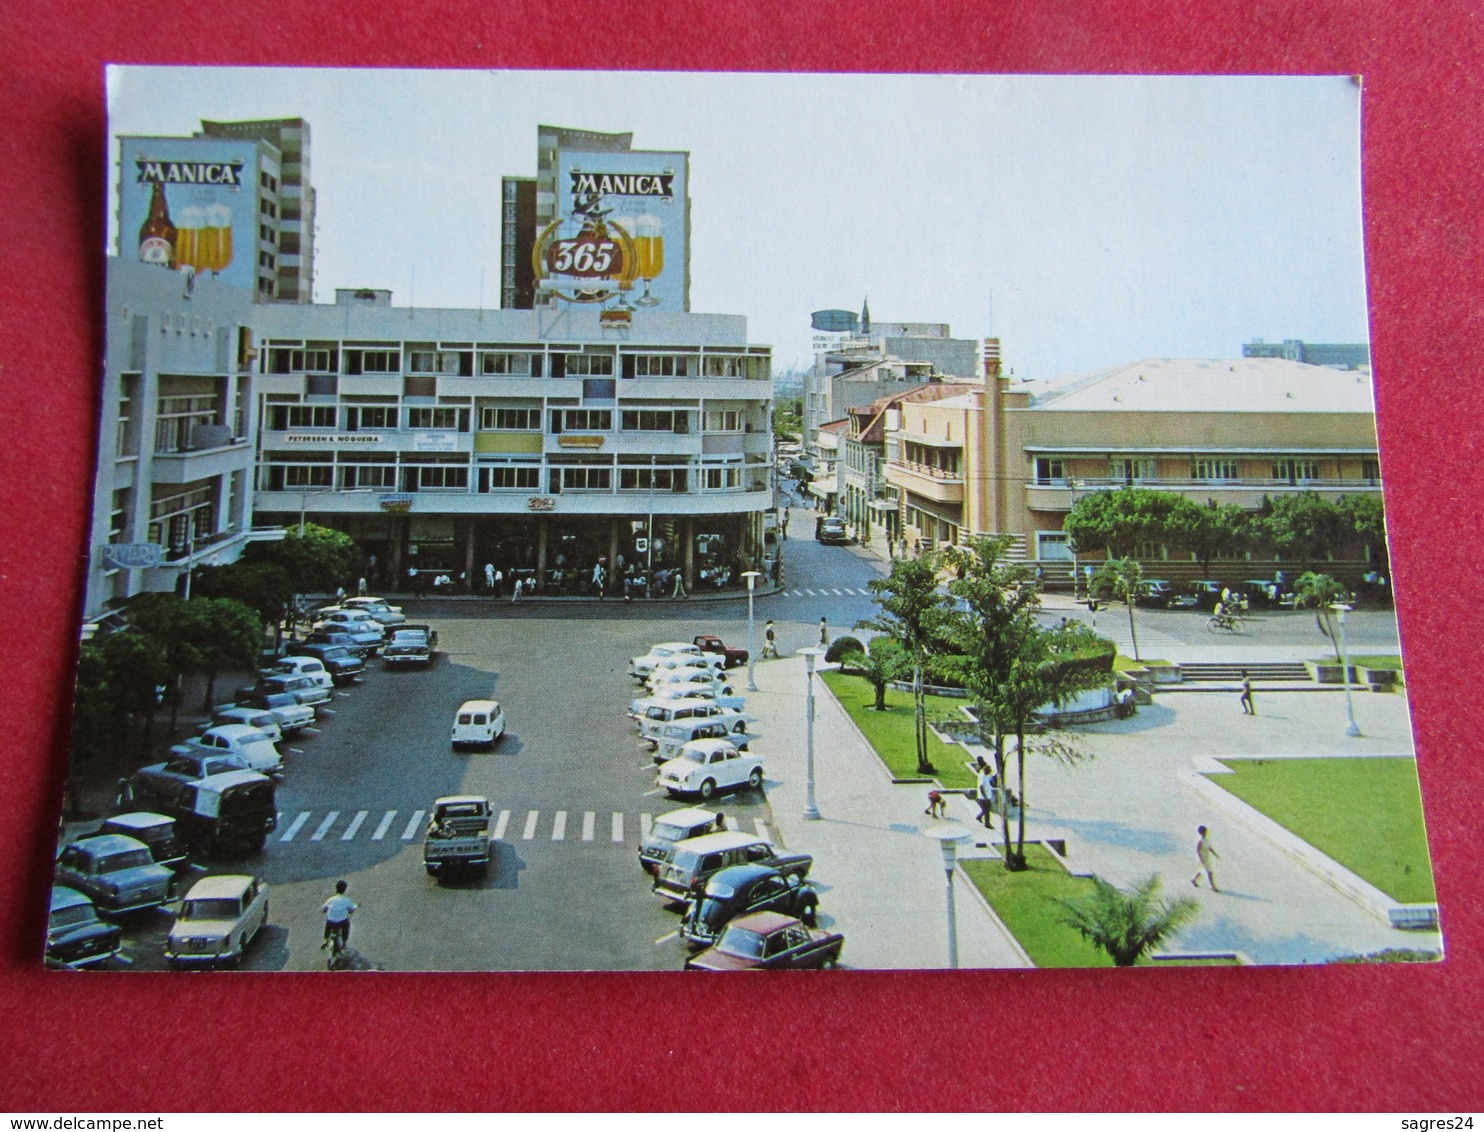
point(620, 236)
point(190, 204)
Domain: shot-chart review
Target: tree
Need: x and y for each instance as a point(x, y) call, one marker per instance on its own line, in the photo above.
point(1118, 521)
point(1210, 529)
point(880, 662)
point(1321, 591)
point(1121, 577)
point(226, 634)
point(1366, 516)
point(262, 586)
point(912, 608)
point(1126, 925)
point(317, 561)
point(165, 618)
point(1303, 527)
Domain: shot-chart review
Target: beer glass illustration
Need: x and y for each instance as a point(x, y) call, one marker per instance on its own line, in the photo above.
point(188, 239)
point(626, 226)
point(216, 239)
point(649, 251)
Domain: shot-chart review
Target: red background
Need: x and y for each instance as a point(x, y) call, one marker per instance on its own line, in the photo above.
point(1400, 1038)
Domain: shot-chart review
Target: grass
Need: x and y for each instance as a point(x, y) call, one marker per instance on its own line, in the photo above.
point(1123, 663)
point(890, 731)
point(1391, 663)
point(1364, 813)
point(1027, 903)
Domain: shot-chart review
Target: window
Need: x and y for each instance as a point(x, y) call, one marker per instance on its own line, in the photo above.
point(370, 418)
point(654, 420)
point(125, 443)
point(587, 479)
point(651, 479)
point(1370, 471)
point(178, 416)
point(1296, 471)
point(1213, 468)
point(181, 517)
point(437, 477)
point(285, 359)
point(586, 420)
point(505, 363)
point(723, 479)
point(724, 420)
point(521, 420)
point(448, 420)
point(422, 361)
point(281, 418)
point(659, 365)
point(373, 361)
point(1133, 471)
point(1051, 472)
point(118, 515)
point(509, 477)
point(590, 365)
point(368, 475)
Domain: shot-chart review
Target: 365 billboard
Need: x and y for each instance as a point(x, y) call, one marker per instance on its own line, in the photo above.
point(190, 204)
point(620, 235)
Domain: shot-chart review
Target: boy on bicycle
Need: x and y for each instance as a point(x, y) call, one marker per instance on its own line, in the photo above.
point(338, 910)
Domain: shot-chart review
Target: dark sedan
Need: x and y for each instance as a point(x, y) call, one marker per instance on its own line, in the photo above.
point(768, 941)
point(343, 663)
point(743, 889)
point(1154, 593)
point(75, 936)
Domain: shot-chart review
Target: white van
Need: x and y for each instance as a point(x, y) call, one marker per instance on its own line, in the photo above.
point(478, 723)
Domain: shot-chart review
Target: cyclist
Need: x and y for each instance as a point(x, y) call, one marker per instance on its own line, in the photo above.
point(338, 910)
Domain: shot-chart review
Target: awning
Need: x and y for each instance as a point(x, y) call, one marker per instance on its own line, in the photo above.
point(822, 489)
point(881, 505)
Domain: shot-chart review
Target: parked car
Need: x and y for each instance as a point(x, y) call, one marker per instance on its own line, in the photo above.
point(164, 781)
point(458, 835)
point(303, 689)
point(658, 716)
point(731, 656)
point(117, 873)
point(345, 665)
point(254, 747)
point(1206, 592)
point(831, 530)
point(293, 716)
point(1263, 593)
point(695, 861)
point(739, 890)
point(75, 936)
point(1154, 593)
point(769, 941)
point(409, 645)
point(217, 920)
point(264, 721)
point(230, 812)
point(639, 706)
point(709, 663)
point(377, 607)
point(675, 738)
point(156, 831)
point(365, 629)
point(478, 723)
point(640, 667)
point(690, 679)
point(309, 666)
point(360, 645)
point(704, 766)
point(676, 826)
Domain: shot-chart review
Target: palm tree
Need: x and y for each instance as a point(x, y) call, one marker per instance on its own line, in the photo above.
point(1322, 592)
point(880, 663)
point(1121, 577)
point(1126, 925)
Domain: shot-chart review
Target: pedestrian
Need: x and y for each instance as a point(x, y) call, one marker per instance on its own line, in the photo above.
point(360, 587)
point(515, 591)
point(339, 595)
point(1248, 707)
point(489, 576)
point(770, 642)
point(1205, 853)
point(824, 632)
point(679, 590)
point(988, 787)
point(411, 579)
point(1040, 576)
point(785, 523)
point(600, 578)
point(937, 805)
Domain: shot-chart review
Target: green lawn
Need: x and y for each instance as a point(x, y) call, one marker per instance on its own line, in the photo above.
point(890, 731)
point(1026, 902)
point(1364, 813)
point(1393, 663)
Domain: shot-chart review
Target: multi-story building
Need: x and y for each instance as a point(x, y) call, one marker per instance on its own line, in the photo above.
point(1014, 458)
point(1338, 355)
point(175, 453)
point(442, 440)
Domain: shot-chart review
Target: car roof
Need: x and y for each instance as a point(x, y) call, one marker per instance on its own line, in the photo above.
point(691, 815)
point(680, 645)
point(742, 874)
point(764, 923)
point(102, 843)
point(726, 839)
point(236, 731)
point(140, 819)
point(226, 884)
point(707, 745)
point(64, 897)
point(681, 702)
point(479, 705)
point(216, 783)
point(461, 800)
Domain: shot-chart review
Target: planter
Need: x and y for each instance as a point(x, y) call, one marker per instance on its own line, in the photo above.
point(1165, 674)
point(1379, 677)
point(1324, 673)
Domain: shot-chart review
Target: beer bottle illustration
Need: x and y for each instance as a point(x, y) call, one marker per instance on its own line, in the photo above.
point(157, 233)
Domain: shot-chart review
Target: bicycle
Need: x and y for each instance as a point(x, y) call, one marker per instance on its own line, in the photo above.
point(1226, 622)
point(337, 955)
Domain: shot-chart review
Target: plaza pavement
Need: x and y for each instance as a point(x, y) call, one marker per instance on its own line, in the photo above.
point(1125, 811)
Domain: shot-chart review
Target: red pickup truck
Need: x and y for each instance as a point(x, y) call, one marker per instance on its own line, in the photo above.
point(733, 656)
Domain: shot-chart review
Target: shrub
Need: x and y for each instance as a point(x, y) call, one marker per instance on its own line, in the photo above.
point(841, 647)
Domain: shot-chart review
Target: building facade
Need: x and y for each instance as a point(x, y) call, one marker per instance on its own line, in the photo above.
point(1338, 355)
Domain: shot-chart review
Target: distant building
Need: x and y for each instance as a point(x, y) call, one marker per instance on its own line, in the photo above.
point(1335, 355)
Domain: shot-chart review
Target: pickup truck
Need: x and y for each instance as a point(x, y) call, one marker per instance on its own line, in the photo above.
point(458, 835)
point(732, 656)
point(409, 644)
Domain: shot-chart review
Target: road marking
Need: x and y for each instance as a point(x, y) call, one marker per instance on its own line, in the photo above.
point(839, 593)
point(762, 829)
point(343, 695)
point(645, 821)
point(652, 793)
point(355, 824)
point(667, 938)
point(530, 830)
point(796, 593)
point(559, 826)
point(811, 593)
point(386, 824)
point(618, 827)
point(295, 751)
point(501, 824)
point(293, 830)
point(412, 823)
point(589, 819)
point(324, 826)
point(312, 730)
point(327, 711)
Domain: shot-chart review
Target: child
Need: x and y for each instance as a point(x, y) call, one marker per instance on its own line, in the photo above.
point(937, 805)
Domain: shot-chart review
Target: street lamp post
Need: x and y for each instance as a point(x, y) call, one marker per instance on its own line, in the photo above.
point(811, 810)
point(752, 576)
point(949, 837)
point(1351, 727)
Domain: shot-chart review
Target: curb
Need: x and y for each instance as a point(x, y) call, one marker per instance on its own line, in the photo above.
point(994, 918)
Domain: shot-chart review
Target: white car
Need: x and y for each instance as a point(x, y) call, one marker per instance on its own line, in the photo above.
point(377, 607)
point(658, 716)
point(218, 918)
point(640, 667)
point(358, 623)
point(706, 662)
point(639, 705)
point(689, 678)
point(708, 765)
point(309, 666)
point(478, 723)
point(254, 747)
point(257, 718)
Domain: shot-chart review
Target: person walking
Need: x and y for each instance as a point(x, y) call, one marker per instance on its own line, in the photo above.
point(497, 583)
point(1248, 707)
point(988, 787)
point(679, 590)
point(489, 576)
point(600, 578)
point(360, 587)
point(515, 591)
point(824, 632)
point(770, 642)
point(1205, 853)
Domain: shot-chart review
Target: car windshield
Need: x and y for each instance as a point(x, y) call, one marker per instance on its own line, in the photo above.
point(220, 908)
point(664, 831)
point(72, 917)
point(129, 859)
point(694, 756)
point(713, 912)
point(334, 654)
point(741, 942)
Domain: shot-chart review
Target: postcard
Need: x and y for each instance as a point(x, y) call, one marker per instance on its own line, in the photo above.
point(575, 521)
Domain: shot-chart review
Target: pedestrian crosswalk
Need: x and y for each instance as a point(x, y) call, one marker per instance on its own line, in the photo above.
point(825, 591)
point(312, 828)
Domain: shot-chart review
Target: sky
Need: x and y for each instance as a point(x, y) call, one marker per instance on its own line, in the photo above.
point(1086, 221)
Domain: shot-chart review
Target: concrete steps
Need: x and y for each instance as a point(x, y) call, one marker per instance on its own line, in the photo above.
point(1232, 673)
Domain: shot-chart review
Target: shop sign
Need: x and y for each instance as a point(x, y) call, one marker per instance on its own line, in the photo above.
point(571, 440)
point(398, 504)
point(435, 442)
point(541, 503)
point(355, 438)
point(133, 555)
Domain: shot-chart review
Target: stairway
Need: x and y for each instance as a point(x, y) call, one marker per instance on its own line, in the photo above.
point(1232, 673)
